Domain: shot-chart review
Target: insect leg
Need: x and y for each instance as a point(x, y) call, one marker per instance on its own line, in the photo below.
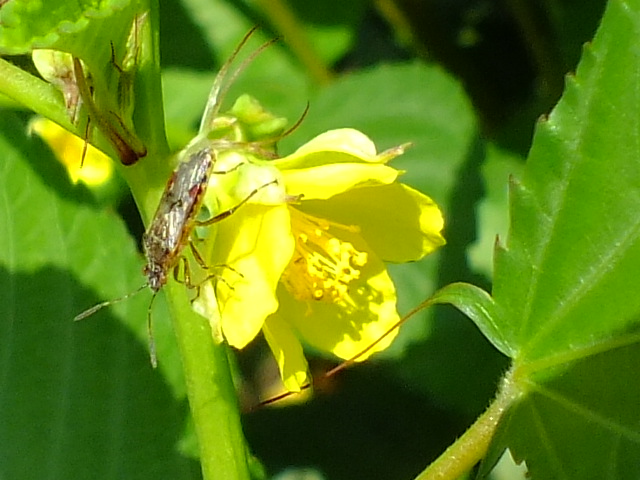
point(232, 210)
point(197, 255)
point(204, 266)
point(186, 273)
point(85, 146)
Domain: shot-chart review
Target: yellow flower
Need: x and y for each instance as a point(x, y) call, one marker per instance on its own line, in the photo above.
point(96, 169)
point(303, 259)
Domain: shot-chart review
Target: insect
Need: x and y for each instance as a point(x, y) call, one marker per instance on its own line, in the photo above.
point(172, 226)
point(130, 149)
point(112, 125)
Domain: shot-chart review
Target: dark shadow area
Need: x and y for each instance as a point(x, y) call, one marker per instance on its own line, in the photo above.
point(181, 40)
point(79, 399)
point(369, 426)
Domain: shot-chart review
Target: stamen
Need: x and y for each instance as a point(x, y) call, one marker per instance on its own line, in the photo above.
point(323, 266)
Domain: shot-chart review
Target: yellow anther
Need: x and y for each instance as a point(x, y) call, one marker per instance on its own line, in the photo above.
point(323, 266)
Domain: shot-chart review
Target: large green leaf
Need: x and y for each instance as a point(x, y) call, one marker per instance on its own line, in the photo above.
point(566, 280)
point(574, 231)
point(25, 25)
point(77, 400)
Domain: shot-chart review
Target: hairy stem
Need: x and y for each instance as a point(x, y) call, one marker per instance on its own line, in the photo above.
point(472, 446)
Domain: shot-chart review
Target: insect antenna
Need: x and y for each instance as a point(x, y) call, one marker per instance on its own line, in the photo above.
point(258, 147)
point(152, 344)
point(294, 127)
point(220, 86)
point(101, 305)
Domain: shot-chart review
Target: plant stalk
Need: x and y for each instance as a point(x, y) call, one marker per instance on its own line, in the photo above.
point(212, 396)
point(472, 446)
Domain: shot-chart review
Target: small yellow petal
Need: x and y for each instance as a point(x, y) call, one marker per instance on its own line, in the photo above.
point(255, 245)
point(323, 182)
point(336, 146)
point(287, 350)
point(96, 169)
point(399, 223)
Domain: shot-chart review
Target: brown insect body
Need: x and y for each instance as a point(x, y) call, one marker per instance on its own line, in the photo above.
point(170, 230)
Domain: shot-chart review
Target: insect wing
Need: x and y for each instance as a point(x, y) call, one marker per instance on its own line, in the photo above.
point(180, 202)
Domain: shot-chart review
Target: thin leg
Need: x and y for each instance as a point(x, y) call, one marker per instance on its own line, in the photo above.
point(232, 210)
point(183, 264)
point(114, 62)
point(86, 142)
point(197, 256)
point(186, 271)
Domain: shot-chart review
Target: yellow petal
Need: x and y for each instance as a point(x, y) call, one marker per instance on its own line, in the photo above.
point(253, 245)
point(288, 353)
point(325, 181)
point(348, 327)
point(399, 223)
point(96, 169)
point(343, 145)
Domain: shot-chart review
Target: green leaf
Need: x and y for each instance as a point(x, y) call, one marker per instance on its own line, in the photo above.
point(329, 25)
point(566, 280)
point(391, 105)
point(581, 419)
point(77, 400)
point(480, 307)
point(493, 218)
point(116, 41)
point(25, 25)
point(572, 237)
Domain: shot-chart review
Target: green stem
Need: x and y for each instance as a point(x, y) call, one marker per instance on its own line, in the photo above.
point(472, 446)
point(149, 114)
point(210, 389)
point(295, 36)
point(148, 177)
point(212, 396)
point(33, 93)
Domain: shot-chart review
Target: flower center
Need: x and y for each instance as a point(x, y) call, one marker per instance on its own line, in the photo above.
point(322, 266)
